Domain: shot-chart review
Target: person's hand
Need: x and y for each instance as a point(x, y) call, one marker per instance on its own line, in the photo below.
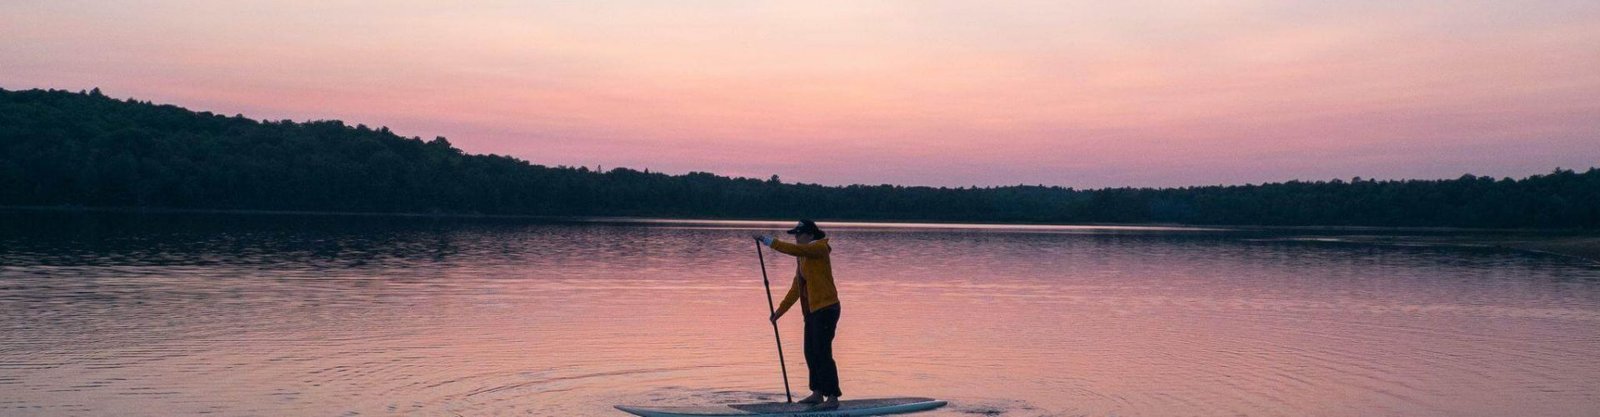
point(774, 317)
point(764, 239)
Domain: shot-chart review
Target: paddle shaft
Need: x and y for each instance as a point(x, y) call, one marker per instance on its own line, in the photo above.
point(773, 310)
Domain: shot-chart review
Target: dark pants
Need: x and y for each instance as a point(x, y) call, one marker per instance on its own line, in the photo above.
point(820, 328)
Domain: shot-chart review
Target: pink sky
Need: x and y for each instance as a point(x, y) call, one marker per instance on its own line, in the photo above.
point(1082, 94)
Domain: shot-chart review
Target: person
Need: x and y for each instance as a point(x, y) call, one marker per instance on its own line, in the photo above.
point(819, 304)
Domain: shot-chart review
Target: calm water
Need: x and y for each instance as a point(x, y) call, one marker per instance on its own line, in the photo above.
point(153, 315)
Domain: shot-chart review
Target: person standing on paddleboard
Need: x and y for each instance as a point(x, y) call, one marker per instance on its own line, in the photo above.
point(819, 303)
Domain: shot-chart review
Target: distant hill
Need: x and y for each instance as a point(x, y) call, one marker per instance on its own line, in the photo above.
point(86, 149)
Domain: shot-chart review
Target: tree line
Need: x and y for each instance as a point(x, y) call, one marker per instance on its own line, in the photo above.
point(61, 148)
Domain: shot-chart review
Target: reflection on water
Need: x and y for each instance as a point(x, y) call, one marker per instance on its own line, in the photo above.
point(130, 315)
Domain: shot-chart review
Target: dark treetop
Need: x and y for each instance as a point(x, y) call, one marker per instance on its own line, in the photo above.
point(86, 149)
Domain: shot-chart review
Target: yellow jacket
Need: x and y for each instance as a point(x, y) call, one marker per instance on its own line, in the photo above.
point(815, 274)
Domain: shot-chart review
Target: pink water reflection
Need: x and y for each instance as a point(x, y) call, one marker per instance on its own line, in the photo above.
point(570, 319)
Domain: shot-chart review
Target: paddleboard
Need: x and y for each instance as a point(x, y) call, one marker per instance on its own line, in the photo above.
point(847, 408)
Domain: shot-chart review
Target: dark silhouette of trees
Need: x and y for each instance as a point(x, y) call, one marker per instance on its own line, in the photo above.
point(59, 148)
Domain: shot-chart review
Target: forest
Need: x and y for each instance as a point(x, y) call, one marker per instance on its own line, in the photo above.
point(85, 149)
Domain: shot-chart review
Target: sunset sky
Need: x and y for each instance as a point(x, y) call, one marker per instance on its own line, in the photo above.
point(1082, 94)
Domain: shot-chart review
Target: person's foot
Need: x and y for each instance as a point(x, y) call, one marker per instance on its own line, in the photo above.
point(815, 398)
point(830, 403)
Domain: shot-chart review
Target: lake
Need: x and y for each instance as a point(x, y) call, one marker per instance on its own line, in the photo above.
point(108, 314)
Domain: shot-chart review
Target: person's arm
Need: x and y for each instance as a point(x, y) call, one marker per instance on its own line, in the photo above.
point(809, 250)
point(788, 299)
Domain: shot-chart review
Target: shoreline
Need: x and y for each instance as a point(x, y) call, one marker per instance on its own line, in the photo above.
point(1577, 243)
point(652, 218)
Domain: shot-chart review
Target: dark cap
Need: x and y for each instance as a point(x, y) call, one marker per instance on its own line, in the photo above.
point(809, 227)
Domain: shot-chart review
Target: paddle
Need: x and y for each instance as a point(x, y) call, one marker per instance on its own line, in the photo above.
point(771, 310)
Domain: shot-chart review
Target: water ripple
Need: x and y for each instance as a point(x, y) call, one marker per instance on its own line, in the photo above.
point(366, 317)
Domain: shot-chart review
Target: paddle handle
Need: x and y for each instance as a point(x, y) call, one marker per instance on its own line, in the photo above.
point(773, 310)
